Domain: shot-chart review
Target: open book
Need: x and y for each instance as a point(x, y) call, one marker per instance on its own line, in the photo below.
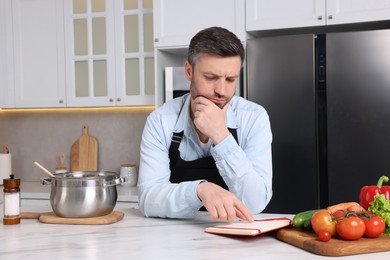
point(245, 228)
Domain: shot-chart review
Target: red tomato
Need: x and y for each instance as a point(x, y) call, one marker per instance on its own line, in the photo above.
point(323, 221)
point(374, 226)
point(324, 236)
point(351, 228)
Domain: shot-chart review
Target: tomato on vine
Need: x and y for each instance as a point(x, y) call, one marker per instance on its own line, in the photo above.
point(339, 214)
point(375, 226)
point(350, 228)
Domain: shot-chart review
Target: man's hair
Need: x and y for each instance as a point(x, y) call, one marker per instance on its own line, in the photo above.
point(215, 40)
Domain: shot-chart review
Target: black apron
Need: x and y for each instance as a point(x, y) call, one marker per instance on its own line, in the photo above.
point(200, 169)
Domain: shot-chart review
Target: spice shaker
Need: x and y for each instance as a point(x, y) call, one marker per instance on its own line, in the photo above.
point(11, 201)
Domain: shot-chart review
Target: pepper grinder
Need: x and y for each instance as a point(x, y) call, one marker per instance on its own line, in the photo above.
point(11, 201)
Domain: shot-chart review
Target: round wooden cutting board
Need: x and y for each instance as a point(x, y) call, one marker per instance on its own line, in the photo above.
point(51, 218)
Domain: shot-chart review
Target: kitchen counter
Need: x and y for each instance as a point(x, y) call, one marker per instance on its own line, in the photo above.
point(136, 237)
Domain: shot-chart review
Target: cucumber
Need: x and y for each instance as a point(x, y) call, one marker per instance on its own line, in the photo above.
point(307, 225)
point(302, 217)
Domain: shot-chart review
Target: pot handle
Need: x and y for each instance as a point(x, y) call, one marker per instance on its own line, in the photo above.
point(114, 181)
point(46, 181)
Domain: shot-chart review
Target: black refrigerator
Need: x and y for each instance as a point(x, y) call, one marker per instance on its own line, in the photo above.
point(328, 98)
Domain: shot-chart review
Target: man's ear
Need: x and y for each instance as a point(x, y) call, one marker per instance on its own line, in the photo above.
point(188, 70)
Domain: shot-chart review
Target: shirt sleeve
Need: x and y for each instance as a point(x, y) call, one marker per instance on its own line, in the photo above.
point(158, 197)
point(247, 167)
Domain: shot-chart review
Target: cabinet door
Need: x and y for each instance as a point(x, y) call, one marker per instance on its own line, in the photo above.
point(356, 11)
point(39, 72)
point(176, 21)
point(90, 64)
point(3, 56)
point(109, 51)
point(280, 14)
point(134, 53)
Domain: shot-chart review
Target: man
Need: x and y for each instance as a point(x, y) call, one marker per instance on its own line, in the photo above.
point(209, 147)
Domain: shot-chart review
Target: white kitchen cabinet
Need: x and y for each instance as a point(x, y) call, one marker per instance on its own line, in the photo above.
point(357, 11)
point(109, 56)
point(277, 14)
point(282, 14)
point(3, 56)
point(40, 65)
point(176, 21)
point(35, 64)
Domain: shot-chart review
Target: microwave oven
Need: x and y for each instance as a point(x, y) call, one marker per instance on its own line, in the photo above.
point(176, 83)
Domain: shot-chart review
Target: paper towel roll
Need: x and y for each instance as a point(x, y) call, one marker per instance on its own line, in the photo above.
point(5, 166)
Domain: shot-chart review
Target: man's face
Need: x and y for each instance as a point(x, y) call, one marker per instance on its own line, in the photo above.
point(214, 77)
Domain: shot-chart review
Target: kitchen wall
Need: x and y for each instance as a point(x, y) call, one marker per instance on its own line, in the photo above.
point(42, 135)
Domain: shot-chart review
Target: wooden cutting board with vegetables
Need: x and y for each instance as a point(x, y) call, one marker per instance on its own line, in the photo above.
point(335, 247)
point(84, 152)
point(347, 228)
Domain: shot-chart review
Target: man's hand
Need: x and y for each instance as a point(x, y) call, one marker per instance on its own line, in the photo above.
point(222, 204)
point(209, 119)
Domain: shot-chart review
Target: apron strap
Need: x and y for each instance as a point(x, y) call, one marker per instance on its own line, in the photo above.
point(174, 149)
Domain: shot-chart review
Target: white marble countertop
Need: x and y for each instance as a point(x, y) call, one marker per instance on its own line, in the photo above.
point(136, 237)
point(36, 190)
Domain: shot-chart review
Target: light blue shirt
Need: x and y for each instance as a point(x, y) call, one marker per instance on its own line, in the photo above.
point(245, 167)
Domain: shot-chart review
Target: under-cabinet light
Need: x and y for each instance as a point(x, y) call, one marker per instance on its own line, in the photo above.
point(78, 109)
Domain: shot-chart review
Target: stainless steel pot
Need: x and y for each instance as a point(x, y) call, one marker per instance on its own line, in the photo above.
point(83, 194)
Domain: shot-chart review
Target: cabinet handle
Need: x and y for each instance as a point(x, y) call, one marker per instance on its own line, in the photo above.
point(319, 18)
point(155, 39)
point(118, 99)
point(61, 101)
point(111, 100)
point(330, 17)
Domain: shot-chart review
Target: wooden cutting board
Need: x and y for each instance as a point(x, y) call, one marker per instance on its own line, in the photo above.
point(335, 247)
point(51, 218)
point(84, 152)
